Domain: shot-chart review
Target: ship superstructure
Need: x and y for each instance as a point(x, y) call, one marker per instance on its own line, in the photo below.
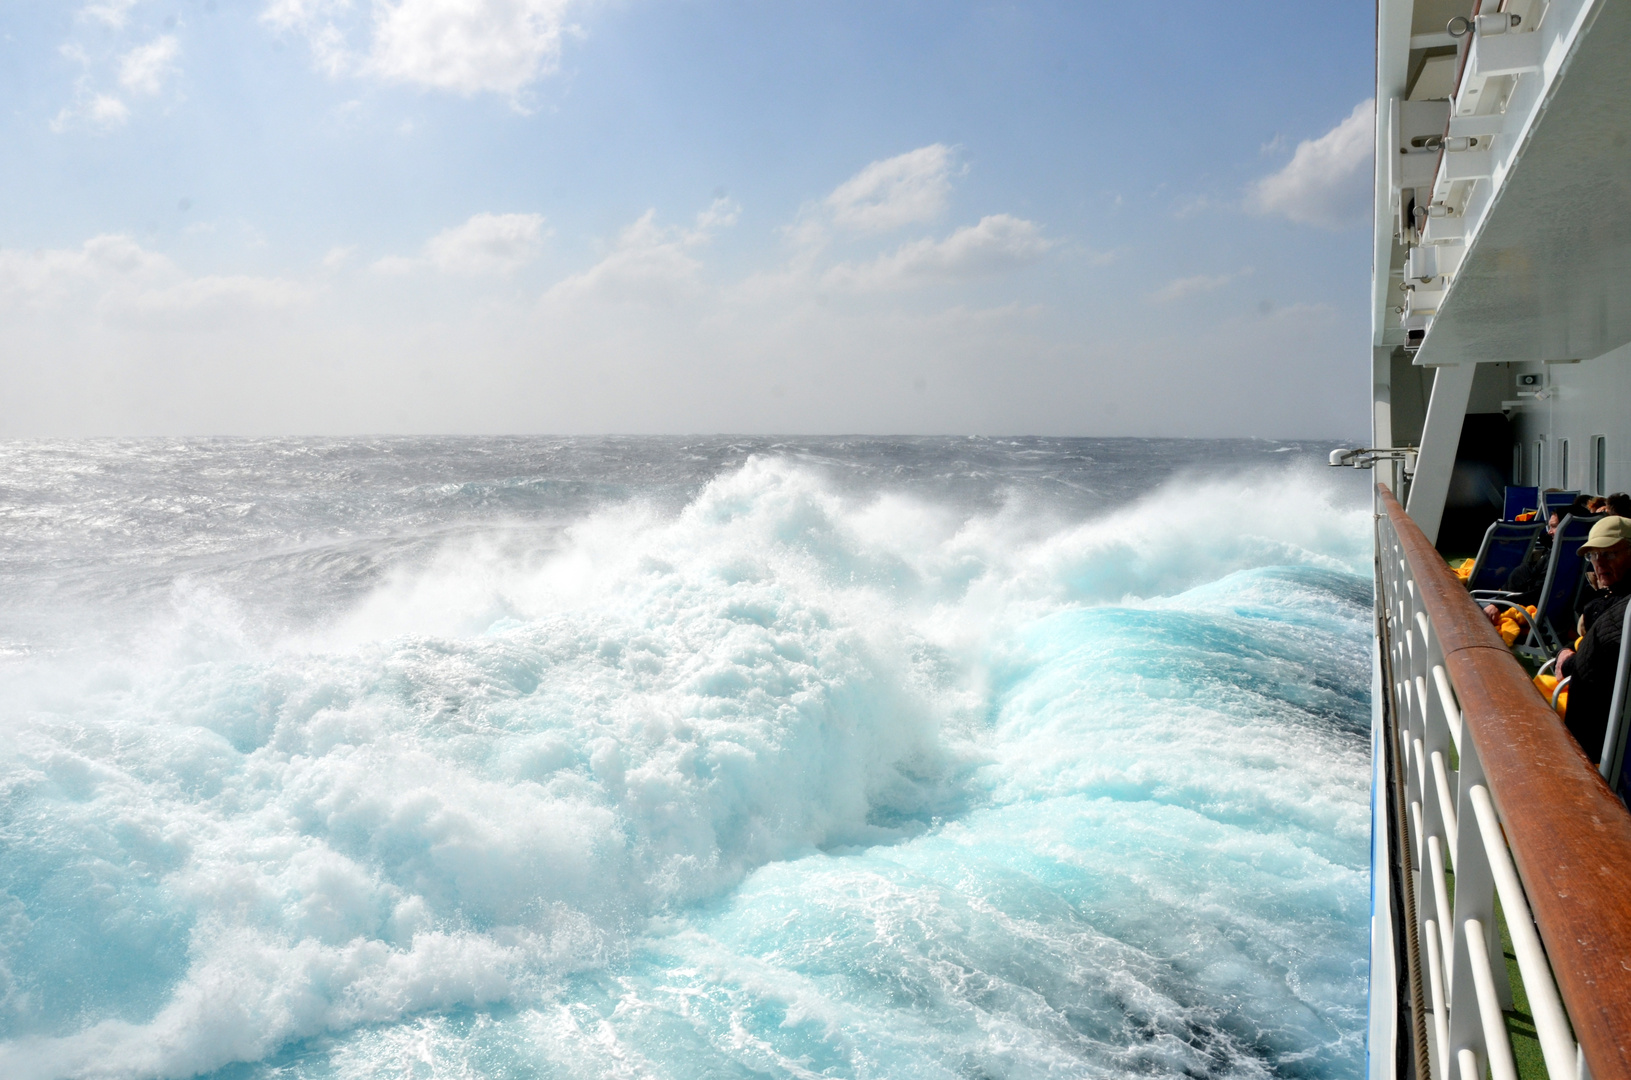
point(1501, 357)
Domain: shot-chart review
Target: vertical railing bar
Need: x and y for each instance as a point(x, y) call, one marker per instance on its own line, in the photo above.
point(1557, 1043)
point(1441, 901)
point(1499, 1044)
point(1435, 979)
point(1420, 774)
point(1421, 841)
point(1445, 801)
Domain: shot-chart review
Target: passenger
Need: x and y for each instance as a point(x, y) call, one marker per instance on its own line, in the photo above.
point(1527, 579)
point(1597, 504)
point(1591, 599)
point(1592, 668)
point(1619, 504)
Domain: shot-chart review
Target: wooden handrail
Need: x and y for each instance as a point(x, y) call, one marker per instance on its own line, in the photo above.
point(1570, 836)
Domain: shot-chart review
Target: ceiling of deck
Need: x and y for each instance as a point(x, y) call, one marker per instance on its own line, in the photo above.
point(1549, 275)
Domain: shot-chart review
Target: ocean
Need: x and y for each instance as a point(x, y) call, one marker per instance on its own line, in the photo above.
point(664, 757)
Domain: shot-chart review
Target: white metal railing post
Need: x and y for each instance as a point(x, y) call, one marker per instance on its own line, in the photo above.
point(1473, 988)
point(1557, 1044)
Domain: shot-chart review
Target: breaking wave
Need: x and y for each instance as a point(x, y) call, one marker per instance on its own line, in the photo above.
point(789, 781)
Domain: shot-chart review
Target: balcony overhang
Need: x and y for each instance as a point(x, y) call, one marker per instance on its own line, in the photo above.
point(1548, 275)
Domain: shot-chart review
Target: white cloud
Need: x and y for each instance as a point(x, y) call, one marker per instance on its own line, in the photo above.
point(902, 190)
point(650, 265)
point(651, 336)
point(143, 69)
point(300, 14)
point(318, 21)
point(467, 47)
point(486, 244)
point(118, 276)
point(1179, 288)
point(1328, 180)
point(109, 111)
point(110, 13)
point(213, 292)
point(1193, 205)
point(48, 275)
point(100, 110)
point(999, 242)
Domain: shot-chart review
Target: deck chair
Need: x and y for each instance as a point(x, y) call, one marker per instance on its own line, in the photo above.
point(1519, 500)
point(1505, 545)
point(1556, 501)
point(1553, 624)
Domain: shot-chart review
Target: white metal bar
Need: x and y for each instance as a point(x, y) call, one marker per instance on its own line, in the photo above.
point(1557, 1044)
point(1441, 896)
point(1499, 1044)
point(1468, 1061)
point(1420, 776)
point(1421, 841)
point(1435, 982)
point(1446, 698)
point(1446, 802)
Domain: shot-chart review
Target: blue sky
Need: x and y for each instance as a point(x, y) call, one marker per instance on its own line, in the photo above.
point(314, 216)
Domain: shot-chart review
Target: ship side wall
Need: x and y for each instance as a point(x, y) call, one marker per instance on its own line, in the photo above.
point(1582, 413)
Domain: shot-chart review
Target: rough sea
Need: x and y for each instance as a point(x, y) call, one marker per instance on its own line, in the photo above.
point(682, 758)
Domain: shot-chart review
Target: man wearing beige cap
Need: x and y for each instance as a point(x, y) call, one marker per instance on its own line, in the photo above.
point(1591, 688)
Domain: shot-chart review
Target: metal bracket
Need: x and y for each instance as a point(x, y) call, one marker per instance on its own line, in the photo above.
point(1368, 457)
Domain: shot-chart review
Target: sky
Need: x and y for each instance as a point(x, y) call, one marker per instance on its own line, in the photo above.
point(251, 217)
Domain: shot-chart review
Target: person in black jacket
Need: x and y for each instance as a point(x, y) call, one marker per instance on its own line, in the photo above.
point(1591, 670)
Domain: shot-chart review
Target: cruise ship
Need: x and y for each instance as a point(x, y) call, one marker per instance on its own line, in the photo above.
point(1501, 364)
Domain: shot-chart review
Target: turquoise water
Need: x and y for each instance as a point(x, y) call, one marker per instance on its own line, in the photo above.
point(513, 758)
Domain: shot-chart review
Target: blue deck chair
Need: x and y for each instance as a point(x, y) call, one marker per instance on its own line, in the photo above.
point(1557, 501)
point(1553, 624)
point(1565, 569)
point(1505, 545)
point(1519, 500)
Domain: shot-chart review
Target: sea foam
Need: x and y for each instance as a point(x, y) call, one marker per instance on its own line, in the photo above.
point(791, 781)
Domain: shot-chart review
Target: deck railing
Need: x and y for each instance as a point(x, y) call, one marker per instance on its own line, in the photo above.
point(1494, 791)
